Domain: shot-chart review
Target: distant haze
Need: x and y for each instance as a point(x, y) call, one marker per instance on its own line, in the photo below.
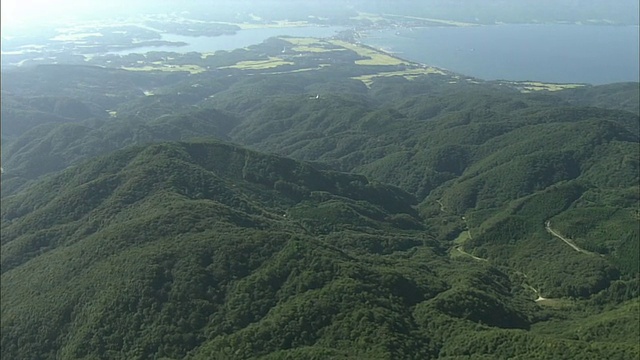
point(32, 13)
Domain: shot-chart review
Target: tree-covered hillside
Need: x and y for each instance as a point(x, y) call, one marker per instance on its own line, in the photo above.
point(303, 205)
point(204, 250)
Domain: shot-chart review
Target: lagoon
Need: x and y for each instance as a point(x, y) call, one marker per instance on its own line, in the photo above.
point(549, 52)
point(242, 38)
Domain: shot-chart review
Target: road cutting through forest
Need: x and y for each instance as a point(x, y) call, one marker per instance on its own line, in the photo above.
point(547, 226)
point(458, 248)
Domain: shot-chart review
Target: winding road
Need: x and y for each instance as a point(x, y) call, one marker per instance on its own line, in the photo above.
point(547, 225)
point(459, 249)
point(540, 298)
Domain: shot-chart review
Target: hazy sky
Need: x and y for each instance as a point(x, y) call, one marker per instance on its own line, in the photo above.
point(32, 11)
point(37, 12)
point(28, 13)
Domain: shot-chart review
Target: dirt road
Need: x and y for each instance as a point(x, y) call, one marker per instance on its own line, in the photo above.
point(569, 242)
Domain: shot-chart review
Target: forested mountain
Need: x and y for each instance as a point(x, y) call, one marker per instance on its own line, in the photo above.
point(315, 208)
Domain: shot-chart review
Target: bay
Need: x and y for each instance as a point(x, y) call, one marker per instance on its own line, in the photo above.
point(242, 38)
point(549, 52)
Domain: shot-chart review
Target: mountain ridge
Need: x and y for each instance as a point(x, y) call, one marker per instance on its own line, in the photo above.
point(230, 214)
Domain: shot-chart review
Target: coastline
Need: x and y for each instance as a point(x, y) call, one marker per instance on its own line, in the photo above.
point(558, 53)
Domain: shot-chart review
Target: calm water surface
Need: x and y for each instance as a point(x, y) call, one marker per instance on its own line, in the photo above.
point(552, 53)
point(240, 39)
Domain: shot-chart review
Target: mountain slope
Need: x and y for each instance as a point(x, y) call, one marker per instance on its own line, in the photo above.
point(202, 250)
point(203, 242)
point(509, 228)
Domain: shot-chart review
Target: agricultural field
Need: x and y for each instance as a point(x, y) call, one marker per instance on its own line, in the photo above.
point(529, 86)
point(272, 62)
point(409, 74)
point(193, 69)
point(375, 57)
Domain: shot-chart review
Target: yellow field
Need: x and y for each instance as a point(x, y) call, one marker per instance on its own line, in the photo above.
point(317, 45)
point(368, 16)
point(313, 49)
point(275, 24)
point(309, 45)
point(409, 74)
point(272, 62)
point(440, 21)
point(530, 86)
point(382, 17)
point(293, 71)
point(375, 57)
point(301, 70)
point(303, 41)
point(193, 69)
